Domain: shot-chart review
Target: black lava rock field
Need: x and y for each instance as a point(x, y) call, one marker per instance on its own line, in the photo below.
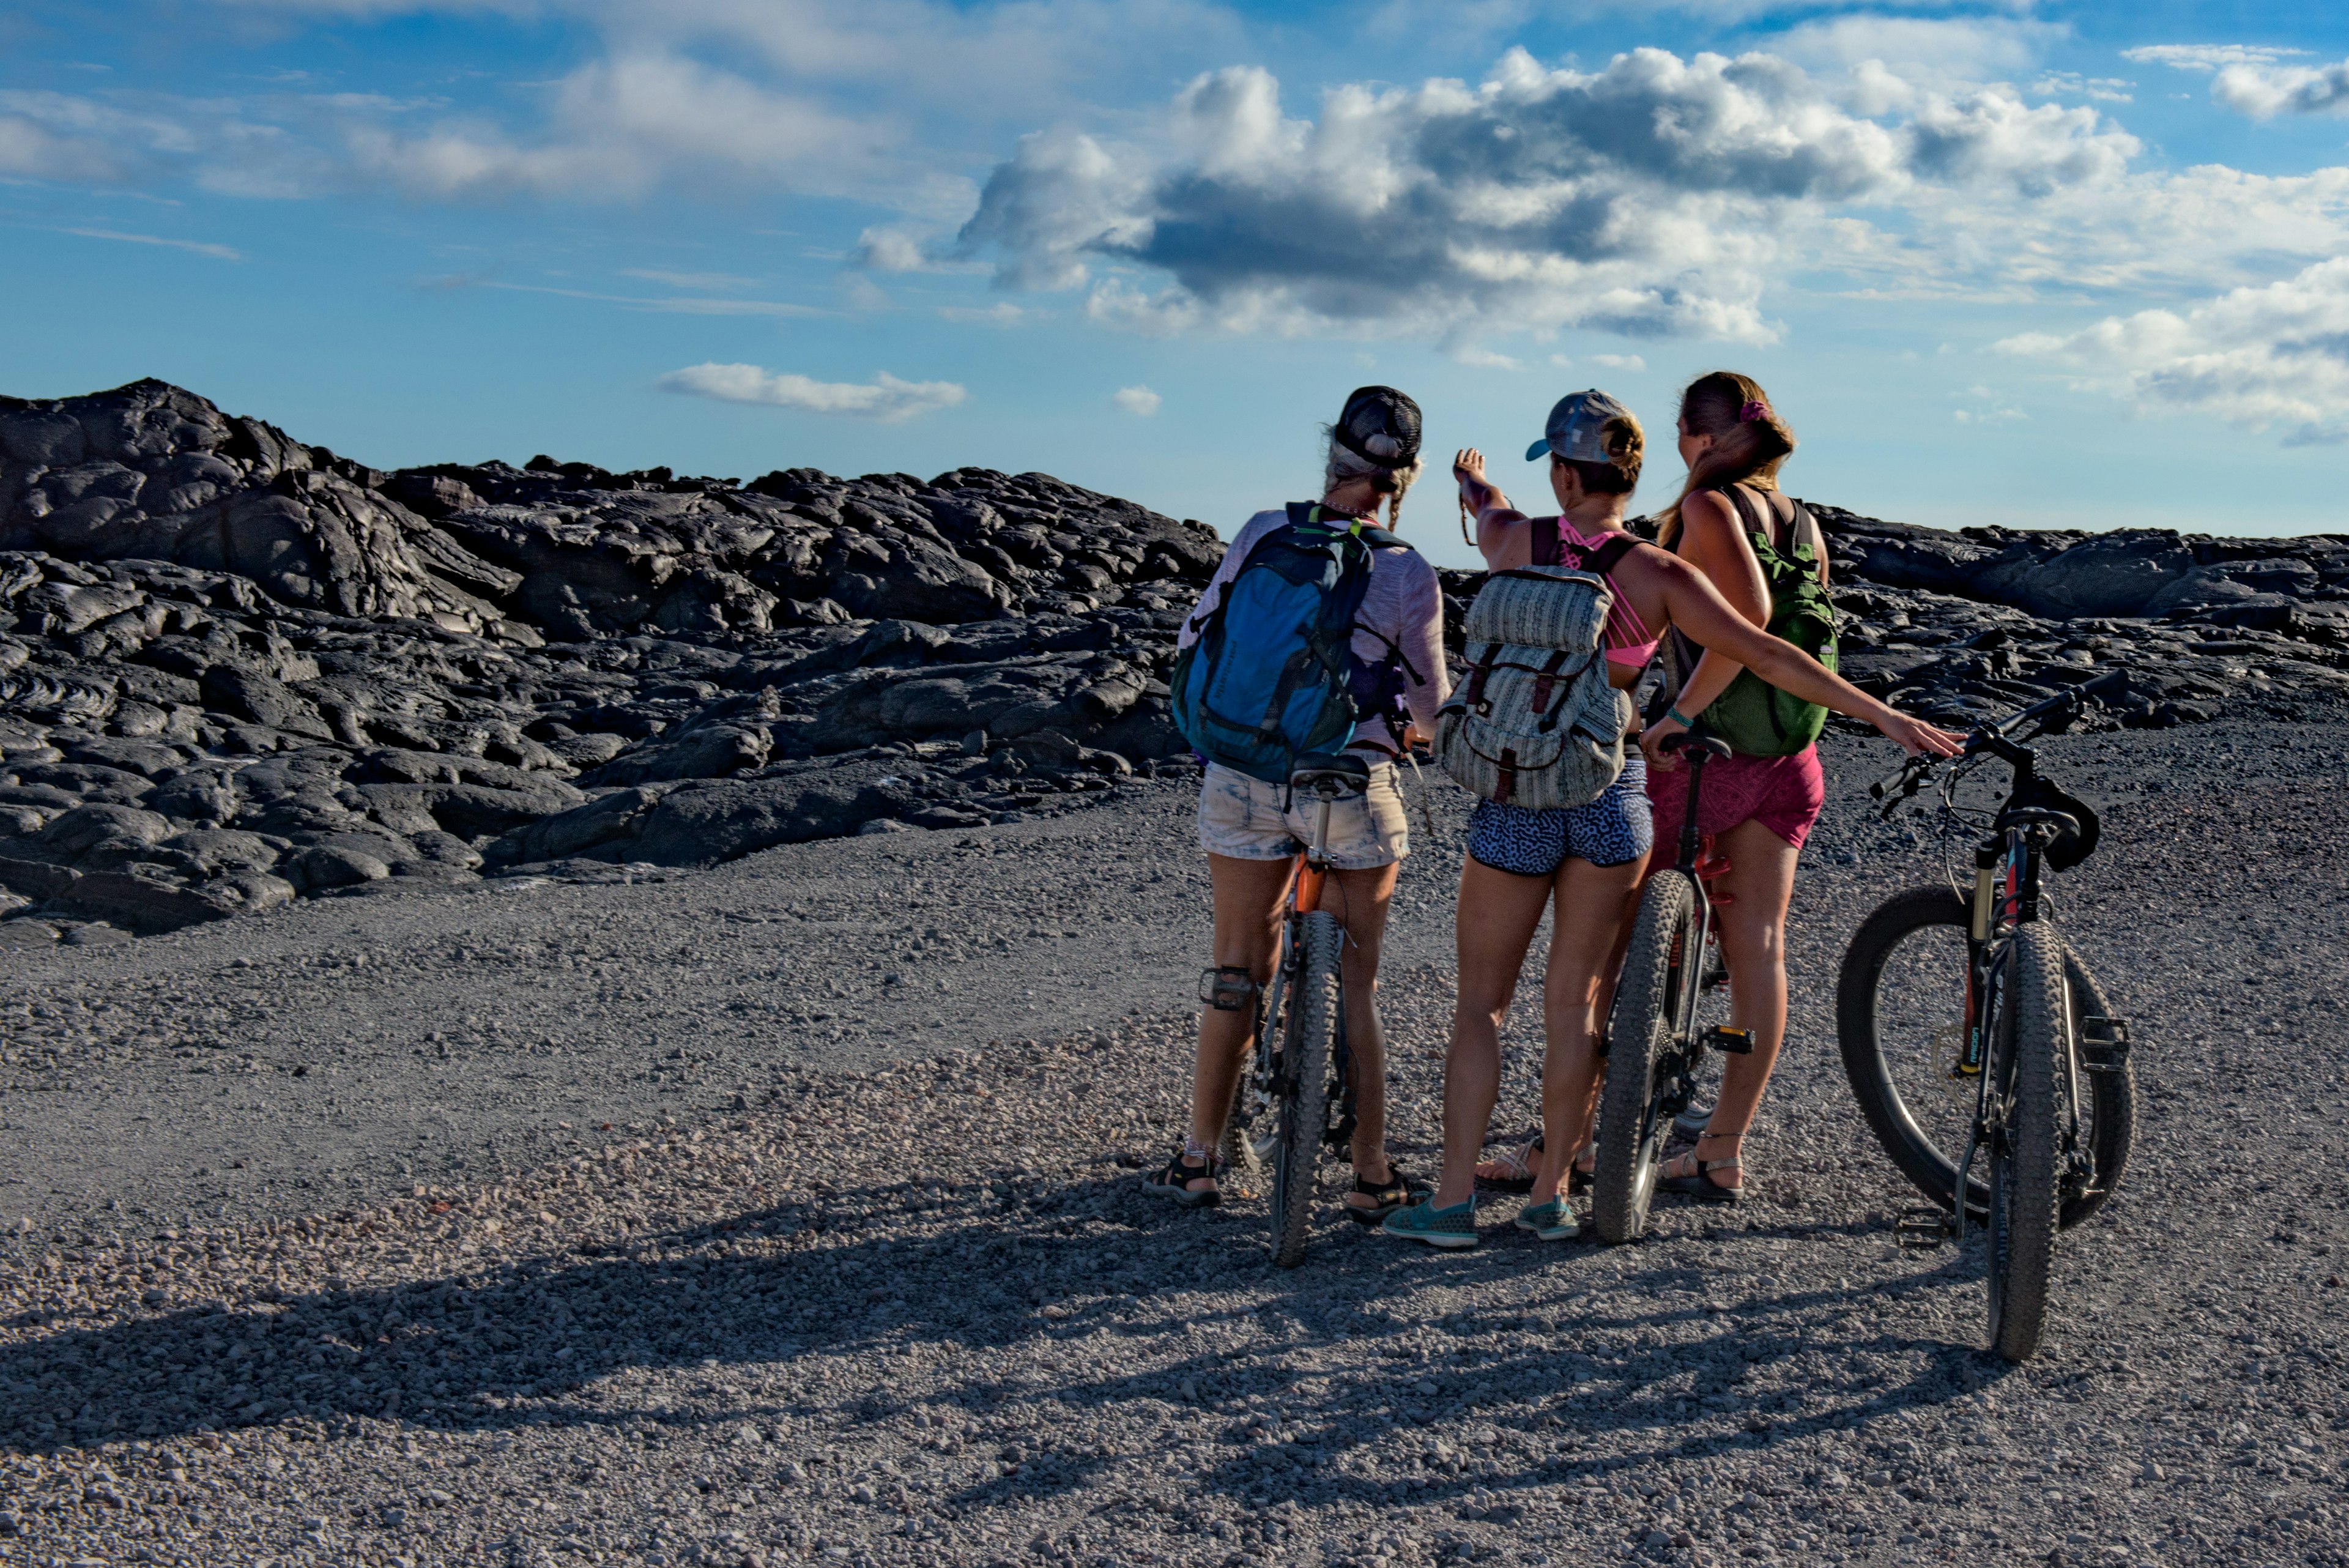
point(235, 670)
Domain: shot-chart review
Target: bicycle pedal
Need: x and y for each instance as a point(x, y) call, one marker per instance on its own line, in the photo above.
point(1732, 1040)
point(2104, 1043)
point(1921, 1229)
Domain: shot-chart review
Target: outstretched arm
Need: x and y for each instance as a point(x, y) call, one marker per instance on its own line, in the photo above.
point(1495, 515)
point(1696, 607)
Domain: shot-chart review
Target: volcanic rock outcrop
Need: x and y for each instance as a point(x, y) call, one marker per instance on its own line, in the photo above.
point(235, 670)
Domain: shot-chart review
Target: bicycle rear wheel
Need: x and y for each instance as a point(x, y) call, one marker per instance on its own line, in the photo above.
point(1662, 962)
point(1900, 1024)
point(2026, 1157)
point(1314, 1003)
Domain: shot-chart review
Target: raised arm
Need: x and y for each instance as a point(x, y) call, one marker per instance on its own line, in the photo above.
point(1692, 604)
point(1495, 518)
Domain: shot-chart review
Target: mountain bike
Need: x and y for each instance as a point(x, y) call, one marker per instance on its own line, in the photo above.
point(1981, 1050)
point(1295, 1092)
point(1672, 972)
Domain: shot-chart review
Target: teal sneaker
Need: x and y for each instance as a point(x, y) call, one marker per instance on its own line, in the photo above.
point(1453, 1228)
point(1550, 1221)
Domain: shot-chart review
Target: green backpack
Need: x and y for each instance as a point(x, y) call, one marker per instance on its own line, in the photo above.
point(1753, 718)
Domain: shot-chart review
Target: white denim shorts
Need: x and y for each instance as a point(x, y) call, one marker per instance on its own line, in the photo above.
point(1242, 817)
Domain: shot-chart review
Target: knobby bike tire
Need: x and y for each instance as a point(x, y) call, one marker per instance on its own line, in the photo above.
point(1661, 958)
point(2027, 1161)
point(2112, 1096)
point(1246, 1142)
point(1315, 1004)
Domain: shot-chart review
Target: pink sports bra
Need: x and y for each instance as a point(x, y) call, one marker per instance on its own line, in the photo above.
point(1629, 643)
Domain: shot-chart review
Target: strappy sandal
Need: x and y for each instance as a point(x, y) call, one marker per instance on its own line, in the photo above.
point(1516, 1176)
point(1694, 1178)
point(1397, 1191)
point(1516, 1167)
point(1174, 1181)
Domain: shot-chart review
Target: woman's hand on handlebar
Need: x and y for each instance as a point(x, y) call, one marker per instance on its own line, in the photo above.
point(1918, 738)
point(1651, 741)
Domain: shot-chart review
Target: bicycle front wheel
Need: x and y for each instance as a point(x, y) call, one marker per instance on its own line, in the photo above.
point(1315, 1004)
point(1901, 1022)
point(1662, 962)
point(2027, 1158)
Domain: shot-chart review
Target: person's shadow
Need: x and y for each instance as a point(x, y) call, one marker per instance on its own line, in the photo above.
point(535, 1342)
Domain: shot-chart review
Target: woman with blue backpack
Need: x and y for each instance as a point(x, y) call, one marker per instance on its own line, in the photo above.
point(1319, 632)
point(1571, 611)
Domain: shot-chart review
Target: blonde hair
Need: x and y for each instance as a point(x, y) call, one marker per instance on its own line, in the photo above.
point(1750, 441)
point(1343, 465)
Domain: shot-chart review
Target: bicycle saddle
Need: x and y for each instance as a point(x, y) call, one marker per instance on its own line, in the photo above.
point(1330, 775)
point(2075, 839)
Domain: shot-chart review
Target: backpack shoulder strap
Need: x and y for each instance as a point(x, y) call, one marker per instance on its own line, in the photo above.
point(1603, 559)
point(1549, 539)
point(1302, 513)
point(1749, 515)
point(1808, 532)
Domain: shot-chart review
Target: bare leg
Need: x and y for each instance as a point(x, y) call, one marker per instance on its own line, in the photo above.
point(1360, 900)
point(1248, 894)
point(1591, 901)
point(1497, 915)
point(1760, 882)
point(1602, 1003)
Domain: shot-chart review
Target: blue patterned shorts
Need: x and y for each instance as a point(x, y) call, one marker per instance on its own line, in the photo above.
point(1609, 831)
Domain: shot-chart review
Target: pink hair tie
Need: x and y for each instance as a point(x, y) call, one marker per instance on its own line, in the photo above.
point(1753, 411)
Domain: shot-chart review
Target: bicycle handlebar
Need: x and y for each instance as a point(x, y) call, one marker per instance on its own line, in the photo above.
point(1901, 785)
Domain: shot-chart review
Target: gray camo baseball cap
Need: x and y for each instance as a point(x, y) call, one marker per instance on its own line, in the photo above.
point(1577, 428)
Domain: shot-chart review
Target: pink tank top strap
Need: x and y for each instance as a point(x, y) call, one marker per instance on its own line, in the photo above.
point(1558, 542)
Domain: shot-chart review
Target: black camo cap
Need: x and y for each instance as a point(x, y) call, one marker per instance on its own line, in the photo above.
point(1379, 425)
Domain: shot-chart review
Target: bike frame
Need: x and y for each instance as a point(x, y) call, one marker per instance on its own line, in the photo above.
point(1697, 861)
point(2006, 897)
point(1271, 1065)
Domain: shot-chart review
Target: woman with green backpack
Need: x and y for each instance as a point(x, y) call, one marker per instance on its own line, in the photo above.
point(1763, 552)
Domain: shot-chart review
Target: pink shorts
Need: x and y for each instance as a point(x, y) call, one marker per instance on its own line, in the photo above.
point(1783, 795)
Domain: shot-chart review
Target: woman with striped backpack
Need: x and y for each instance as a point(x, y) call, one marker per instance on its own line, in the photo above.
point(1579, 859)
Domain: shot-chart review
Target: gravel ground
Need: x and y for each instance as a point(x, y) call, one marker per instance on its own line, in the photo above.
point(864, 1275)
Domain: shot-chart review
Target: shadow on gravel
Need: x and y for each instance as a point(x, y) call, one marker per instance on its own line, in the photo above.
point(539, 1341)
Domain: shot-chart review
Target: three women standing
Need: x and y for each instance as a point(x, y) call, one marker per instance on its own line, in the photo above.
point(1725, 544)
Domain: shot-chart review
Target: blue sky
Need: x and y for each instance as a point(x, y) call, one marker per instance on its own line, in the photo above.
point(2029, 263)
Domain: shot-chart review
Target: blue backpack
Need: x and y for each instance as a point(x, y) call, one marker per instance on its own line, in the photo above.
point(1273, 674)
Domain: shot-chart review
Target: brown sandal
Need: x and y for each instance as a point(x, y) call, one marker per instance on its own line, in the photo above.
point(1687, 1176)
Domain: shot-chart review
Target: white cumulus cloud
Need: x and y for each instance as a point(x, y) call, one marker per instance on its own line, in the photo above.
point(1137, 400)
point(885, 397)
point(2271, 357)
point(1649, 197)
point(2255, 78)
